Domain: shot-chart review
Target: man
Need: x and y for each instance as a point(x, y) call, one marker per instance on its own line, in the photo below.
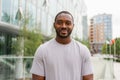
point(62, 58)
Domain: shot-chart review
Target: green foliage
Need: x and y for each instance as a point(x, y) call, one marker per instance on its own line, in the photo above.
point(1, 46)
point(117, 44)
point(31, 41)
point(104, 49)
point(115, 48)
point(117, 60)
point(85, 42)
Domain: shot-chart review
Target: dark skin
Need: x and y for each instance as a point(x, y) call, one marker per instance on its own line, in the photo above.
point(88, 77)
point(37, 77)
point(63, 26)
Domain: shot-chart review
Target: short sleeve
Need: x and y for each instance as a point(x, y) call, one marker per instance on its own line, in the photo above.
point(38, 64)
point(87, 67)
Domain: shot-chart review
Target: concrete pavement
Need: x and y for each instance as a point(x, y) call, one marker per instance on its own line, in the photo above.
point(105, 69)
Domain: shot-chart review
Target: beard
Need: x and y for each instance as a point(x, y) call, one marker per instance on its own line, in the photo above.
point(63, 32)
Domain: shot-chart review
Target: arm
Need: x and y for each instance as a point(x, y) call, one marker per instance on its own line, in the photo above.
point(88, 77)
point(37, 77)
point(37, 68)
point(87, 67)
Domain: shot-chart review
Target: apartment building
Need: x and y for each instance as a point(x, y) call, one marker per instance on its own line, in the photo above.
point(100, 30)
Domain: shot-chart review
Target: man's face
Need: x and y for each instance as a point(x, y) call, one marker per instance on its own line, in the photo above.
point(64, 25)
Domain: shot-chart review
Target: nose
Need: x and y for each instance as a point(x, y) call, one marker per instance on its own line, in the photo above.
point(63, 25)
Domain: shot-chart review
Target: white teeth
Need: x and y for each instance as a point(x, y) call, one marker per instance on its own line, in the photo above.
point(63, 31)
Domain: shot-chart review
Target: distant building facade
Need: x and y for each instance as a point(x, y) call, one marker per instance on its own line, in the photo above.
point(85, 27)
point(100, 30)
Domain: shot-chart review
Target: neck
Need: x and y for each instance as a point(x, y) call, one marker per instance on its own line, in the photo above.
point(63, 40)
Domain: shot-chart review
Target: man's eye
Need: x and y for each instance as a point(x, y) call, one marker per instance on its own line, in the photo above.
point(59, 22)
point(68, 23)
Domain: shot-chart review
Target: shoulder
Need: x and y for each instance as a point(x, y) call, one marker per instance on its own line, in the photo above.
point(80, 45)
point(49, 42)
point(46, 44)
point(41, 50)
point(83, 48)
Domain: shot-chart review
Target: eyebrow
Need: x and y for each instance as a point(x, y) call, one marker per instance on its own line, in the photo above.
point(64, 20)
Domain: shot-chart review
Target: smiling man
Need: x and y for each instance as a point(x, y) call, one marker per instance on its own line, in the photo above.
point(62, 58)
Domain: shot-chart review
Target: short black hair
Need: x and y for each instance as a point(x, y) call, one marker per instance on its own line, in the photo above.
point(66, 12)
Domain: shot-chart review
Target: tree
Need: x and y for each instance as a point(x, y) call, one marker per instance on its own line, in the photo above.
point(28, 39)
point(115, 48)
point(104, 49)
point(85, 42)
point(31, 41)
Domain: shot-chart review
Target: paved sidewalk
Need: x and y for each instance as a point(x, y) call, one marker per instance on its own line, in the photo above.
point(105, 70)
point(117, 70)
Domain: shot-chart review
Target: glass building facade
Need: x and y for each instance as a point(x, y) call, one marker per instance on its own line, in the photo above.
point(41, 13)
point(85, 27)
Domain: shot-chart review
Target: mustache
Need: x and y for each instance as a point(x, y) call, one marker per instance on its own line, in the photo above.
point(63, 28)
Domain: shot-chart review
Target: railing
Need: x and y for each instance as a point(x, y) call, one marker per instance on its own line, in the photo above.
point(18, 67)
point(15, 67)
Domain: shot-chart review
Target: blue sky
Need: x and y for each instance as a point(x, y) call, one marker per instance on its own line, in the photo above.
point(95, 7)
